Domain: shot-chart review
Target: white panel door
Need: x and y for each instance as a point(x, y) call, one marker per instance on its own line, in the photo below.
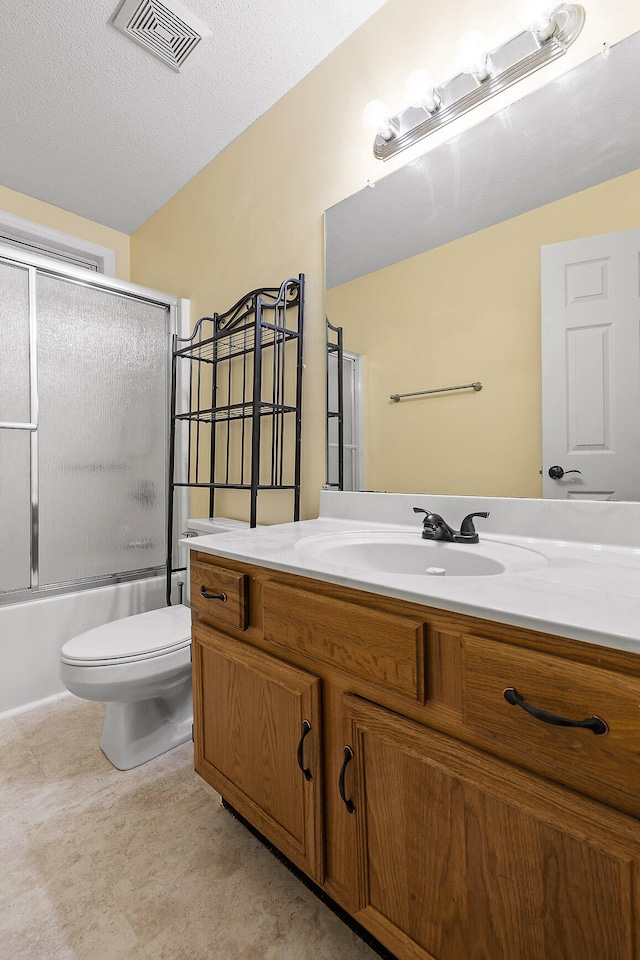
point(591, 367)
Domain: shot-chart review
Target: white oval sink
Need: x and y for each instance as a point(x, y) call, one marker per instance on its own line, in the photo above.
point(414, 558)
point(407, 554)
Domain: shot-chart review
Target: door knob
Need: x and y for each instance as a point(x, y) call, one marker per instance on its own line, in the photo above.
point(557, 473)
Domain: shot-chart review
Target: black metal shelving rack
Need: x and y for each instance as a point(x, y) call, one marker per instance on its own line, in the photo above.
point(242, 374)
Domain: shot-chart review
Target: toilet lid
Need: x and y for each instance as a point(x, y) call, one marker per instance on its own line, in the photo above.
point(141, 636)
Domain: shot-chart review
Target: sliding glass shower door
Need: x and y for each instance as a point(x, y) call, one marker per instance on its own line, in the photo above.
point(83, 432)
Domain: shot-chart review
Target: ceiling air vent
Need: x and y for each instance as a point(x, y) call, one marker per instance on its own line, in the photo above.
point(167, 29)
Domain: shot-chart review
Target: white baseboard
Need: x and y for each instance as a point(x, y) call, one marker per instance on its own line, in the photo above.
point(34, 706)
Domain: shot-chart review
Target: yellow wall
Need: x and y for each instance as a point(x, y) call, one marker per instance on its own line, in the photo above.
point(254, 214)
point(467, 311)
point(20, 205)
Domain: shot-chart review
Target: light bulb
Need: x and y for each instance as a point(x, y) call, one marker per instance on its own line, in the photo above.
point(420, 91)
point(375, 117)
point(473, 56)
point(537, 16)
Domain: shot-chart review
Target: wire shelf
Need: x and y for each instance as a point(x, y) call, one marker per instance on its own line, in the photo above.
point(235, 411)
point(226, 345)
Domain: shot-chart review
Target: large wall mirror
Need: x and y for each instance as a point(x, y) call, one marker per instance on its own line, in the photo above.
point(434, 276)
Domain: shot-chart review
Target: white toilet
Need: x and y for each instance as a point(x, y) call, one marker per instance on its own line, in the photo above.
point(140, 667)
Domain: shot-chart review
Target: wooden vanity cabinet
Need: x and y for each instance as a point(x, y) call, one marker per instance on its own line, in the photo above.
point(257, 734)
point(455, 826)
point(462, 855)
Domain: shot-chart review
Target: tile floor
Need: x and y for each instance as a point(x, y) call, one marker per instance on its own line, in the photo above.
point(100, 864)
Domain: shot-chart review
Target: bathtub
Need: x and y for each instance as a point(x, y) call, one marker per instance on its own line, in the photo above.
point(33, 633)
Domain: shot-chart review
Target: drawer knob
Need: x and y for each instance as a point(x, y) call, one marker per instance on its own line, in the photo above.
point(212, 596)
point(306, 728)
point(595, 724)
point(348, 757)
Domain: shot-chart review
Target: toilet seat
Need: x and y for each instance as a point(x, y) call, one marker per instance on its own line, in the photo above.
point(131, 639)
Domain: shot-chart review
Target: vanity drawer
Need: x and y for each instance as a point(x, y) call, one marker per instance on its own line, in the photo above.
point(369, 643)
point(220, 595)
point(605, 766)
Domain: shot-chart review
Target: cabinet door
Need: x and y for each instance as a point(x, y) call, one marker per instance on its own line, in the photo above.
point(464, 856)
point(257, 742)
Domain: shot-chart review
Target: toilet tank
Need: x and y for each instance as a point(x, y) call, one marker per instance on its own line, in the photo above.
point(207, 526)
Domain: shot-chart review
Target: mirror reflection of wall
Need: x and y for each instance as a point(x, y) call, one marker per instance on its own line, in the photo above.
point(467, 310)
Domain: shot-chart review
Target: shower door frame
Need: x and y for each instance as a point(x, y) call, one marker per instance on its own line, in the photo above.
point(178, 323)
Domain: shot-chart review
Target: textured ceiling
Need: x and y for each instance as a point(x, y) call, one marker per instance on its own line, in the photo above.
point(93, 123)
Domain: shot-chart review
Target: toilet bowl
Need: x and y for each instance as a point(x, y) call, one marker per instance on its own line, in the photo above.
point(140, 667)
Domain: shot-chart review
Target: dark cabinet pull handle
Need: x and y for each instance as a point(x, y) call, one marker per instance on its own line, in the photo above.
point(348, 757)
point(306, 728)
point(595, 724)
point(212, 596)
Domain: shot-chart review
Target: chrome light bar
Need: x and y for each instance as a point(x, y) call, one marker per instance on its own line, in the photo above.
point(509, 62)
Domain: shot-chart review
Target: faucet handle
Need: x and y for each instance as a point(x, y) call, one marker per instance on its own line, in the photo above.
point(430, 517)
point(467, 528)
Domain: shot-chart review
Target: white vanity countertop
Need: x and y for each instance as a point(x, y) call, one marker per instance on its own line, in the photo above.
point(586, 591)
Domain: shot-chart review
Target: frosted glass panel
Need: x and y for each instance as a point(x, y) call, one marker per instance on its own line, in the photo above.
point(14, 356)
point(102, 380)
point(348, 388)
point(332, 381)
point(15, 510)
point(348, 373)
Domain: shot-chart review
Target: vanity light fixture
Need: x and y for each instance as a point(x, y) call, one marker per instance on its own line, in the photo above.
point(375, 117)
point(484, 74)
point(538, 16)
point(474, 56)
point(420, 91)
